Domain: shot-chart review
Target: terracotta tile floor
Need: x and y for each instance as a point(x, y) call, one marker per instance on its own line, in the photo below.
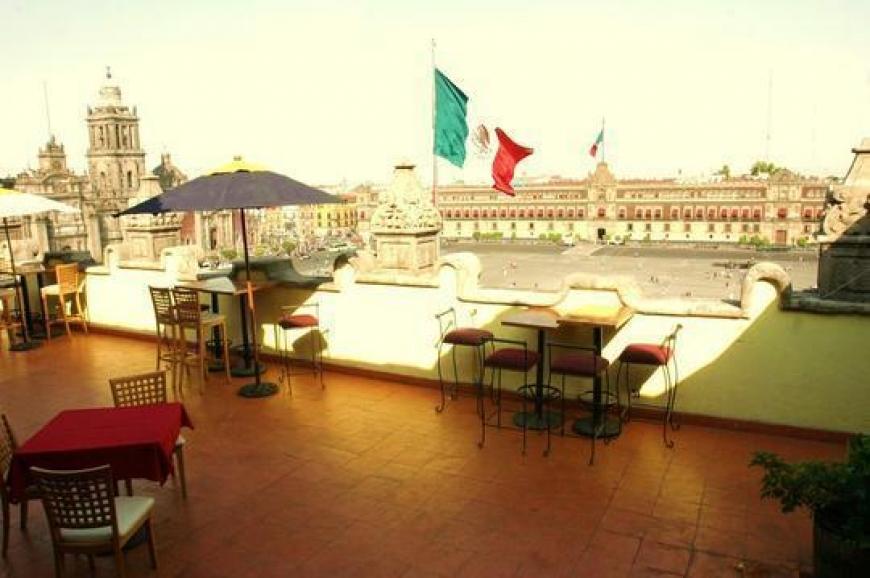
point(365, 479)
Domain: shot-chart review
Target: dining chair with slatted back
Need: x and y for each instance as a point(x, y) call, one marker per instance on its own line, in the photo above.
point(8, 446)
point(85, 517)
point(147, 389)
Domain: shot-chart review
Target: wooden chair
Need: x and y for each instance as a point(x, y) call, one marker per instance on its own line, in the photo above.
point(7, 448)
point(147, 389)
point(85, 517)
point(8, 321)
point(190, 316)
point(168, 335)
point(69, 284)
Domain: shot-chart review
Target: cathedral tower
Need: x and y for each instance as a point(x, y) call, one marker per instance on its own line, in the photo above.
point(116, 161)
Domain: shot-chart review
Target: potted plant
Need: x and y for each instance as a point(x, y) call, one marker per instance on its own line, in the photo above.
point(838, 496)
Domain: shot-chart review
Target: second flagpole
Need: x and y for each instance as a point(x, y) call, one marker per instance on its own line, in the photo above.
point(434, 156)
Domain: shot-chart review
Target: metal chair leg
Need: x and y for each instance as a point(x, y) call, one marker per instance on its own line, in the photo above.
point(668, 409)
point(440, 408)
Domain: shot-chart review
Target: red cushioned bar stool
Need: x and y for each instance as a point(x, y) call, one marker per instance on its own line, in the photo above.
point(569, 360)
point(450, 334)
point(655, 355)
point(513, 356)
point(290, 321)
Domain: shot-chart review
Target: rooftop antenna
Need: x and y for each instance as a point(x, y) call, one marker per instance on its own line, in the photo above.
point(769, 114)
point(47, 112)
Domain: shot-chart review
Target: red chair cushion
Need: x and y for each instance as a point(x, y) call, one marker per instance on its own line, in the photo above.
point(467, 336)
point(512, 358)
point(297, 321)
point(646, 354)
point(584, 364)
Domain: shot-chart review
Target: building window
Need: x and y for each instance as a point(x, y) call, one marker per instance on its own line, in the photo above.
point(746, 214)
point(475, 214)
point(728, 227)
point(667, 226)
point(629, 227)
point(602, 211)
point(675, 214)
point(467, 213)
point(485, 214)
point(699, 214)
point(735, 214)
point(687, 214)
point(570, 213)
point(540, 213)
point(647, 227)
point(621, 213)
point(550, 226)
point(711, 214)
point(522, 213)
point(513, 214)
point(449, 215)
point(782, 213)
point(532, 226)
point(711, 228)
point(756, 214)
point(494, 227)
point(687, 227)
point(648, 214)
point(580, 213)
point(513, 226)
point(550, 213)
point(808, 214)
point(561, 214)
point(756, 228)
point(658, 214)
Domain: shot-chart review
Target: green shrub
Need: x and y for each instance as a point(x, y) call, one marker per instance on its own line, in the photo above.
point(229, 254)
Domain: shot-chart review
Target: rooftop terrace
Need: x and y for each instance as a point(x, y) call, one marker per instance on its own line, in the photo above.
point(365, 479)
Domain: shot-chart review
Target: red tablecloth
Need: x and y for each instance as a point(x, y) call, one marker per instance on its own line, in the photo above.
point(136, 441)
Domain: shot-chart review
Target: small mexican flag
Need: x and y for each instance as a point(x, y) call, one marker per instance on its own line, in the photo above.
point(593, 150)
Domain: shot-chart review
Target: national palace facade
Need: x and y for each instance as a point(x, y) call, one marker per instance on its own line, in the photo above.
point(784, 209)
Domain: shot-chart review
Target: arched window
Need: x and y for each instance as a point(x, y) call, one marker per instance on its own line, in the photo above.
point(622, 213)
point(475, 214)
point(648, 214)
point(735, 213)
point(782, 213)
point(711, 214)
point(513, 214)
point(449, 214)
point(550, 213)
point(502, 213)
point(485, 214)
point(658, 214)
point(687, 214)
point(522, 213)
point(745, 213)
point(467, 213)
point(808, 214)
point(602, 211)
point(580, 213)
point(561, 213)
point(699, 214)
point(723, 214)
point(540, 213)
point(756, 214)
point(675, 214)
point(570, 213)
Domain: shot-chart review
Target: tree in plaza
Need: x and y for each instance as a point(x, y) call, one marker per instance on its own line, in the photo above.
point(724, 172)
point(764, 168)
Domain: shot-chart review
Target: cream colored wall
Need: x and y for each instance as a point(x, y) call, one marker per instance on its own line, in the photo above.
point(773, 366)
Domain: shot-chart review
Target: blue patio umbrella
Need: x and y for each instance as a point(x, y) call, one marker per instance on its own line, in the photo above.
point(236, 185)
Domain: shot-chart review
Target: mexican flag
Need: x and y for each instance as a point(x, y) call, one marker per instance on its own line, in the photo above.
point(505, 161)
point(599, 140)
point(451, 128)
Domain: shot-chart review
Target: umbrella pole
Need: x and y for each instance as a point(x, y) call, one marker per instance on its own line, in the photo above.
point(27, 344)
point(258, 388)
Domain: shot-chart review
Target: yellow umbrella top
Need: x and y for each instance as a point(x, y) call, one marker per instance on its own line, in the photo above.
point(238, 166)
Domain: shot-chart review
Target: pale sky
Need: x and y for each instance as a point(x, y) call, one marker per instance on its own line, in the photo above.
point(324, 90)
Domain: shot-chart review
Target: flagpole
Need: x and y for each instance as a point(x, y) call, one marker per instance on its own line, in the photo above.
point(603, 140)
point(434, 156)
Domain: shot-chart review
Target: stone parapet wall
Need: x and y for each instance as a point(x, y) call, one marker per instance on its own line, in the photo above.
point(751, 361)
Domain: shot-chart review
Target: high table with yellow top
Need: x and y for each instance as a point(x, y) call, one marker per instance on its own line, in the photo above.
point(598, 318)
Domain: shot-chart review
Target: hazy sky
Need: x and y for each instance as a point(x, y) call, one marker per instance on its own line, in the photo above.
point(325, 90)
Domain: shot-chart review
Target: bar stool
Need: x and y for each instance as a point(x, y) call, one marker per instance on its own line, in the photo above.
point(291, 320)
point(68, 283)
point(167, 329)
point(508, 358)
point(578, 361)
point(655, 355)
point(459, 337)
point(191, 316)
